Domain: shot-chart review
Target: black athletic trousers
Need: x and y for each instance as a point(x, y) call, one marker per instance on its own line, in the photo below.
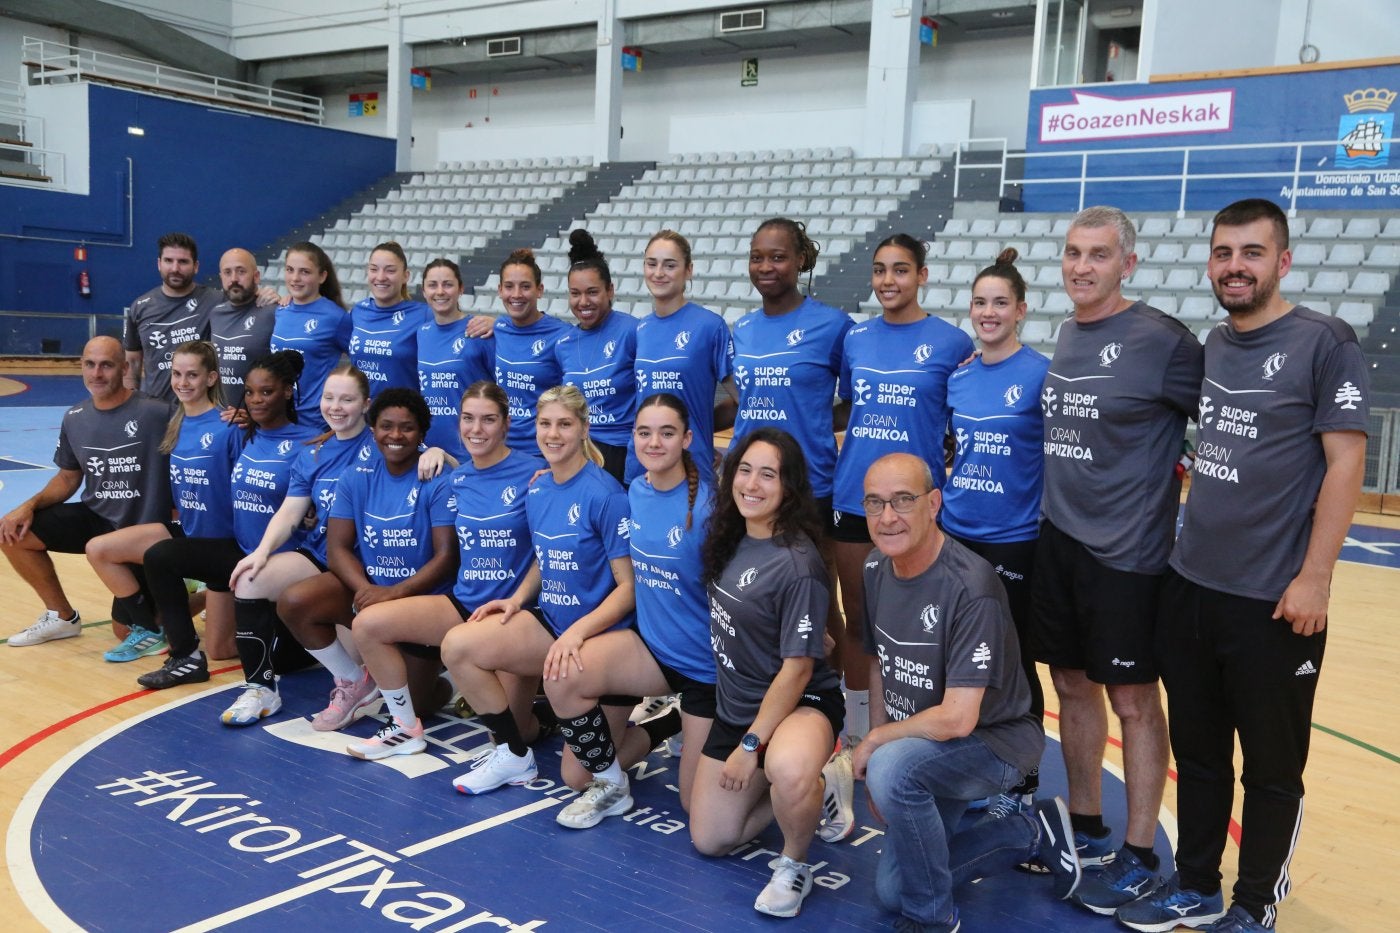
point(1228, 669)
point(1013, 561)
point(168, 564)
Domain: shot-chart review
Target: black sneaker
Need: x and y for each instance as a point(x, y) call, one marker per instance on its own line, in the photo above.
point(176, 671)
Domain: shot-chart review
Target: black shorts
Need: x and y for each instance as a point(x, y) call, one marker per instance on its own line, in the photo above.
point(697, 697)
point(316, 562)
point(66, 528)
point(825, 515)
point(176, 530)
point(725, 737)
point(614, 459)
point(849, 527)
point(1088, 617)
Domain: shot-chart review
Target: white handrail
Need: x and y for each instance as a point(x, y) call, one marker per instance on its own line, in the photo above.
point(49, 161)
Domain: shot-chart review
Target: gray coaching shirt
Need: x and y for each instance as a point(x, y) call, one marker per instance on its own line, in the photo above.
point(242, 335)
point(156, 324)
point(769, 603)
point(1268, 396)
point(1115, 402)
point(950, 626)
point(126, 479)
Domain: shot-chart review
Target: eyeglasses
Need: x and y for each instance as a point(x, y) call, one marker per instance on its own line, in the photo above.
point(903, 503)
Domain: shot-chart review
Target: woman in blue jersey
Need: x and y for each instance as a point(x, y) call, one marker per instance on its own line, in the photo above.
point(683, 348)
point(580, 584)
point(525, 361)
point(313, 323)
point(669, 650)
point(488, 495)
point(894, 375)
point(384, 334)
point(598, 354)
point(199, 468)
point(261, 471)
point(448, 360)
point(991, 502)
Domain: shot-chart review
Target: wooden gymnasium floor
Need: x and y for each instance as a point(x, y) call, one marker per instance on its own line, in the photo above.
point(60, 696)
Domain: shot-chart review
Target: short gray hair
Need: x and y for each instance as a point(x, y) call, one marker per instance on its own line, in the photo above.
point(1104, 216)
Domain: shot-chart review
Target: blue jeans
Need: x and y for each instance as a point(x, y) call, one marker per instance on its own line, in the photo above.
point(922, 789)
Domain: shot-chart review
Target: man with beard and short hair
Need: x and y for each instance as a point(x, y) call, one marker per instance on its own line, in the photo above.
point(239, 327)
point(172, 313)
point(1240, 636)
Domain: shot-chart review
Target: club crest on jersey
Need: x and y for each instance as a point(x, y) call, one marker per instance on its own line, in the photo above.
point(747, 577)
point(459, 344)
point(96, 466)
point(370, 536)
point(192, 304)
point(1204, 416)
point(364, 453)
point(1273, 364)
point(574, 512)
point(355, 344)
point(794, 337)
point(131, 428)
point(682, 339)
point(157, 340)
point(861, 391)
point(508, 495)
point(1110, 353)
point(1049, 401)
point(962, 438)
point(922, 352)
point(929, 617)
point(624, 528)
point(608, 349)
point(310, 325)
point(284, 448)
point(248, 322)
point(673, 537)
point(412, 497)
point(206, 440)
point(537, 348)
point(397, 318)
point(1012, 395)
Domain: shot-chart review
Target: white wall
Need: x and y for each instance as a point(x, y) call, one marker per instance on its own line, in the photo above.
point(994, 73)
point(64, 110)
point(1342, 30)
point(1191, 35)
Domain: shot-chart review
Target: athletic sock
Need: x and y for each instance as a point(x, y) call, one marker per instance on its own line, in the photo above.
point(661, 728)
point(1144, 854)
point(590, 740)
point(137, 611)
point(505, 731)
point(613, 773)
point(399, 704)
point(337, 660)
point(1088, 824)
point(1029, 784)
point(255, 629)
point(857, 714)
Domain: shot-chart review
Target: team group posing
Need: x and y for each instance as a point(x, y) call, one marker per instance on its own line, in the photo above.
point(591, 543)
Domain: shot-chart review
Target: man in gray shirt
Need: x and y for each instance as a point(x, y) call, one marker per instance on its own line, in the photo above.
point(1123, 380)
point(175, 311)
point(1279, 462)
point(110, 446)
point(239, 328)
point(951, 714)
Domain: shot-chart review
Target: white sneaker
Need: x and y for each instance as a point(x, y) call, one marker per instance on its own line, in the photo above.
point(599, 800)
point(649, 708)
point(254, 703)
point(838, 800)
point(393, 738)
point(784, 893)
point(495, 768)
point(48, 627)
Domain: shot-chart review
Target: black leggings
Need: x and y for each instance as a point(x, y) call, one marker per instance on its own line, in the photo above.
point(169, 564)
point(1012, 562)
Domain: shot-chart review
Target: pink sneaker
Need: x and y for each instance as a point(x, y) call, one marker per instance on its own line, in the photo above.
point(348, 698)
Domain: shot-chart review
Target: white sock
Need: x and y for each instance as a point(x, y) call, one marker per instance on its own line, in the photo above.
point(399, 705)
point(613, 774)
point(857, 714)
point(337, 660)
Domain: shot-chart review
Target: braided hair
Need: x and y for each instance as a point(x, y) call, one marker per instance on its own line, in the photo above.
point(692, 473)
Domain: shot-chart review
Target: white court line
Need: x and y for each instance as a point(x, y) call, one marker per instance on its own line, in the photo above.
point(245, 911)
point(418, 848)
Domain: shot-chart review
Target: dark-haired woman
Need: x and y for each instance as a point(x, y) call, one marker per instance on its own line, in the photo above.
point(525, 360)
point(448, 360)
point(599, 353)
point(314, 323)
point(269, 443)
point(894, 374)
point(779, 704)
point(991, 502)
point(384, 335)
point(669, 651)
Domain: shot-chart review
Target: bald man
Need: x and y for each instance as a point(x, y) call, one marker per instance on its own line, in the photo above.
point(109, 445)
point(239, 327)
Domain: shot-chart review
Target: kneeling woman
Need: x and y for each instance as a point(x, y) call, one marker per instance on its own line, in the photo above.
point(669, 651)
point(780, 706)
point(580, 582)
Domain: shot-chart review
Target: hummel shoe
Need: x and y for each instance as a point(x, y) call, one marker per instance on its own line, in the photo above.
point(1238, 920)
point(1170, 906)
point(1095, 850)
point(599, 800)
point(393, 738)
point(139, 643)
point(254, 703)
point(495, 768)
point(785, 891)
point(1056, 845)
point(48, 627)
point(838, 813)
point(176, 671)
point(1125, 879)
point(348, 698)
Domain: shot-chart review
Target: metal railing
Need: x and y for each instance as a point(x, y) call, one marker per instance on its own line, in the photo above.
point(1309, 153)
point(49, 164)
point(54, 62)
point(1383, 453)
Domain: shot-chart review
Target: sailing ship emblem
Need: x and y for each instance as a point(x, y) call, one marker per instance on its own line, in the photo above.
point(1364, 131)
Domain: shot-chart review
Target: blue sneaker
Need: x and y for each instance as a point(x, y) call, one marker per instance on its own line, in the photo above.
point(1125, 879)
point(140, 643)
point(1055, 846)
point(1095, 850)
point(903, 924)
point(1238, 920)
point(1171, 906)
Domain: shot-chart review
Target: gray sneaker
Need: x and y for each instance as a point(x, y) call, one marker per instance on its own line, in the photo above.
point(48, 627)
point(599, 800)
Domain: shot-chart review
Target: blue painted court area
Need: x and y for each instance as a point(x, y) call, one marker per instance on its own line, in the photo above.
point(173, 821)
point(44, 390)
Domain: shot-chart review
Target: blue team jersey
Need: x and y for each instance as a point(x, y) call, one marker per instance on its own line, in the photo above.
point(896, 379)
point(525, 367)
point(384, 343)
point(673, 608)
point(316, 474)
point(394, 519)
point(320, 332)
point(785, 368)
point(993, 494)
point(493, 536)
point(448, 362)
point(687, 353)
point(199, 475)
point(576, 529)
point(601, 363)
point(260, 479)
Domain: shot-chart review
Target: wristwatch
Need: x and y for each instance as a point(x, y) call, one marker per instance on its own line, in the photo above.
point(750, 743)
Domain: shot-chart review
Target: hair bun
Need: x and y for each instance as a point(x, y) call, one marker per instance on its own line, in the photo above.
point(1008, 256)
point(582, 246)
point(524, 255)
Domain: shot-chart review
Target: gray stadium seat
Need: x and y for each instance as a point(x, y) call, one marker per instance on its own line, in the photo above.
point(1356, 313)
